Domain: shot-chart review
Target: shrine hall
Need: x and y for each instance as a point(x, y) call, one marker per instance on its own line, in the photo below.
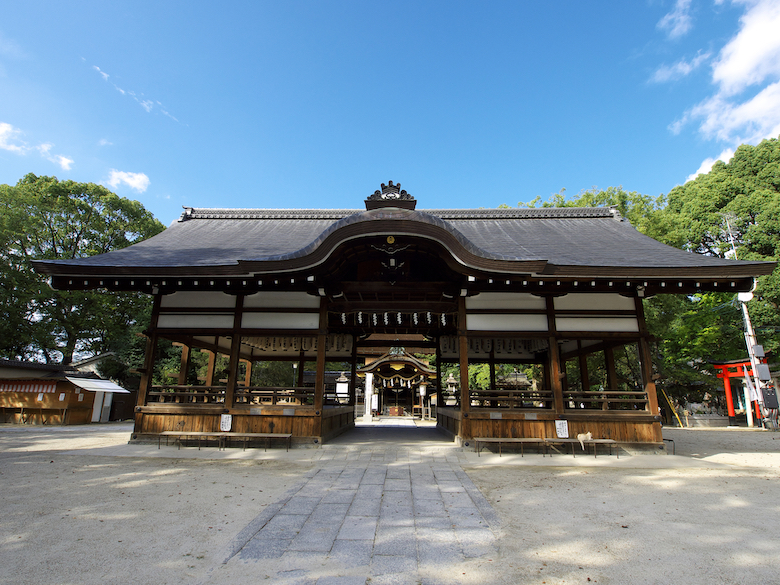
point(548, 302)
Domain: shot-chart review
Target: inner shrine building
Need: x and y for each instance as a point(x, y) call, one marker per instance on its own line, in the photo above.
point(254, 306)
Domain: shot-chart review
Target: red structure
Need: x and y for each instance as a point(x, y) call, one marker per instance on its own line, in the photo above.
point(735, 369)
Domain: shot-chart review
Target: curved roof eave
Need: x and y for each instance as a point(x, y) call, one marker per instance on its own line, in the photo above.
point(394, 221)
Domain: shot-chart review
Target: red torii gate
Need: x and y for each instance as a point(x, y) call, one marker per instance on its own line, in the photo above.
point(728, 370)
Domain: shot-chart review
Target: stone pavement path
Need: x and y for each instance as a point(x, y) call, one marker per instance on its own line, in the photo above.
point(395, 514)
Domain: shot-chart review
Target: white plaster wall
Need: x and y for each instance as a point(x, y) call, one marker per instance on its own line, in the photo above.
point(505, 301)
point(198, 299)
point(594, 302)
point(280, 321)
point(506, 322)
point(282, 300)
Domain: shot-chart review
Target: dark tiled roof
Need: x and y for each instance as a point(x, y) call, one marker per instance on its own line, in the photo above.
point(35, 366)
point(596, 241)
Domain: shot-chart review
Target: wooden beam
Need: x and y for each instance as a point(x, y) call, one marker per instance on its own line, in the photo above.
point(392, 306)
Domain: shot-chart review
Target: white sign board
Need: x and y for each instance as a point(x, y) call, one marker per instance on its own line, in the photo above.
point(225, 422)
point(562, 429)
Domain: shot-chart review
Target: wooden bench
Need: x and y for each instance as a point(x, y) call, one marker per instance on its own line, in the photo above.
point(574, 442)
point(222, 437)
point(522, 441)
point(267, 436)
point(645, 444)
point(197, 434)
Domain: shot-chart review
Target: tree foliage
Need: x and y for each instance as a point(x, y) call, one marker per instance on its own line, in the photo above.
point(637, 208)
point(44, 218)
point(734, 210)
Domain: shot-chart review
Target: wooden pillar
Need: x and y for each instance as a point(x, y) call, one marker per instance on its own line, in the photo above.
point(646, 359)
point(463, 358)
point(319, 384)
point(211, 365)
point(612, 381)
point(556, 374)
point(439, 394)
point(235, 351)
point(353, 373)
point(300, 368)
point(184, 366)
point(609, 358)
point(584, 374)
point(148, 369)
point(247, 373)
point(492, 363)
point(647, 376)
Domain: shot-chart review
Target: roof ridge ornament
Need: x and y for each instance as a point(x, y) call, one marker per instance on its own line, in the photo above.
point(390, 196)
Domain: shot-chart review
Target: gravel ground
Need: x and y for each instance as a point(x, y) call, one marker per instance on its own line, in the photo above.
point(79, 505)
point(711, 516)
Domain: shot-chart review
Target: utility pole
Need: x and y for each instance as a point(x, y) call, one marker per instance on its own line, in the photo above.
point(750, 341)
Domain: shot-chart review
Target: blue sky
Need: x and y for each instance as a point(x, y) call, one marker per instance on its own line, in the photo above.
point(298, 104)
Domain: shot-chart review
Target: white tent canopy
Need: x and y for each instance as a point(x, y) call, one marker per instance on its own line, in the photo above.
point(94, 385)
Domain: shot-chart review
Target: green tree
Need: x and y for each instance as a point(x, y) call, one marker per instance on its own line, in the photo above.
point(736, 206)
point(734, 210)
point(44, 218)
point(638, 209)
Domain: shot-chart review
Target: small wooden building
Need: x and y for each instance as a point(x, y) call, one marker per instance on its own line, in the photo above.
point(32, 393)
point(556, 293)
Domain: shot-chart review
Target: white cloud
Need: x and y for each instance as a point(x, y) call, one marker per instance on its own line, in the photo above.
point(64, 162)
point(147, 104)
point(745, 104)
point(138, 181)
point(706, 165)
point(103, 74)
point(678, 21)
point(753, 55)
point(738, 122)
point(9, 140)
point(104, 142)
point(680, 69)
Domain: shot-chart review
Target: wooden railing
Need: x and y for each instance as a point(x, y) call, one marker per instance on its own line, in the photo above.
point(333, 399)
point(503, 398)
point(173, 394)
point(606, 400)
point(273, 395)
